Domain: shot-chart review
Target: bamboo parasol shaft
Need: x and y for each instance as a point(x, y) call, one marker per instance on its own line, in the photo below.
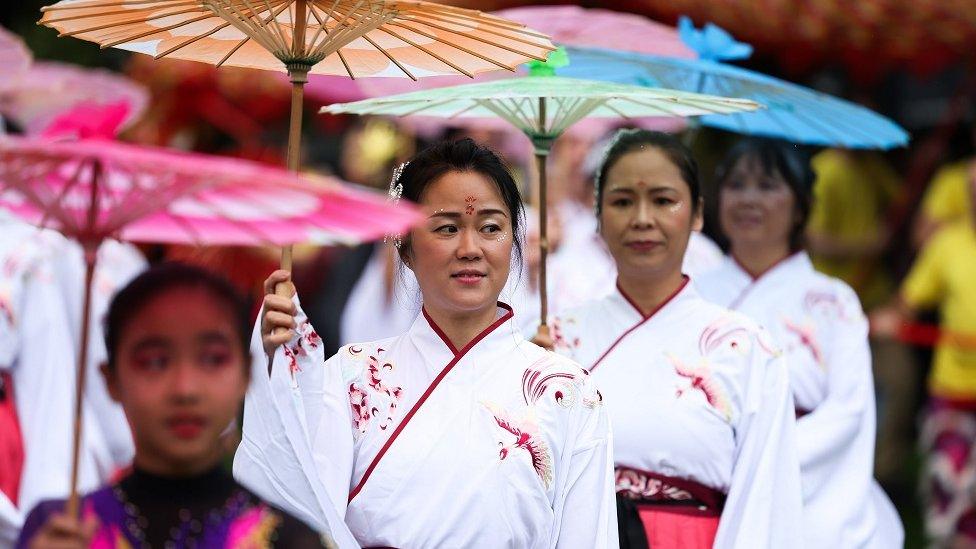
point(73, 507)
point(91, 255)
point(540, 158)
point(298, 76)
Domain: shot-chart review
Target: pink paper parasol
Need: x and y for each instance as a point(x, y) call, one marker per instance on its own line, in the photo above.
point(41, 93)
point(94, 188)
point(599, 28)
point(14, 57)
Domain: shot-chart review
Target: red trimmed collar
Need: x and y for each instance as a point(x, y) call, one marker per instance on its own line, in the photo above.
point(669, 299)
point(505, 317)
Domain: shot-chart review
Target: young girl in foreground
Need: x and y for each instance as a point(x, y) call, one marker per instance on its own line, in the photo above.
point(178, 363)
point(699, 399)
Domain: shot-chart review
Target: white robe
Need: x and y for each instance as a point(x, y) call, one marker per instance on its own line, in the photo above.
point(698, 393)
point(37, 349)
point(502, 444)
point(817, 320)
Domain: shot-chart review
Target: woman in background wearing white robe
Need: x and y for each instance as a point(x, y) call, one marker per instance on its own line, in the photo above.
point(765, 192)
point(458, 433)
point(698, 398)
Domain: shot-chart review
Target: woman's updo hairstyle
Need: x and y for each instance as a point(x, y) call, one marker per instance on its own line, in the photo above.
point(463, 155)
point(776, 158)
point(632, 140)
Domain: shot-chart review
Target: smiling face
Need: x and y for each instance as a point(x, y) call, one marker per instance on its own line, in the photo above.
point(462, 254)
point(756, 209)
point(180, 375)
point(647, 214)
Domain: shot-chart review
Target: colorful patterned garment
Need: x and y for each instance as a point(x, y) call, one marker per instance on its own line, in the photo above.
point(208, 511)
point(817, 322)
point(948, 480)
point(703, 428)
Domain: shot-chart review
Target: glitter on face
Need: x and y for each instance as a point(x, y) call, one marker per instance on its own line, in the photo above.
point(469, 208)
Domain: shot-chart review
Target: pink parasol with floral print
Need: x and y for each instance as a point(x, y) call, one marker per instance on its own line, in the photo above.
point(92, 188)
point(45, 90)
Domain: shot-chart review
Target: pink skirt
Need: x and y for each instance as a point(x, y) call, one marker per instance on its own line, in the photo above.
point(678, 526)
point(11, 441)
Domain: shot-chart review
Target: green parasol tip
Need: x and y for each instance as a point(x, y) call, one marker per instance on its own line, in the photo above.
point(556, 60)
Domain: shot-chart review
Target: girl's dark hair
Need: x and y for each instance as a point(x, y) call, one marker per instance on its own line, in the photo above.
point(627, 141)
point(776, 158)
point(463, 155)
point(162, 278)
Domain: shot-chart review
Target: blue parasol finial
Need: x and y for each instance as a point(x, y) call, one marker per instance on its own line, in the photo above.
point(712, 42)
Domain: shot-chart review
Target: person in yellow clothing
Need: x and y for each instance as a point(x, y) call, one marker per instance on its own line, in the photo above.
point(943, 277)
point(846, 232)
point(847, 235)
point(946, 201)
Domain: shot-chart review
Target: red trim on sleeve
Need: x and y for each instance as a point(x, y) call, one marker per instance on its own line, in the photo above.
point(430, 389)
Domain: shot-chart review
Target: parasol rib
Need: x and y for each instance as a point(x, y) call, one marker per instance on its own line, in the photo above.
point(484, 19)
point(459, 47)
point(390, 57)
point(479, 38)
point(183, 44)
point(131, 22)
point(118, 12)
point(153, 31)
point(114, 3)
point(427, 51)
point(426, 19)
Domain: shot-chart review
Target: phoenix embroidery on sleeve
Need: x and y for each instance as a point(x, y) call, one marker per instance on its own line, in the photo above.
point(724, 331)
point(806, 335)
point(524, 437)
point(700, 379)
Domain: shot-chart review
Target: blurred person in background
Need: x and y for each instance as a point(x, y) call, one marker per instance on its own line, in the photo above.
point(704, 445)
point(942, 278)
point(947, 198)
point(764, 201)
point(847, 237)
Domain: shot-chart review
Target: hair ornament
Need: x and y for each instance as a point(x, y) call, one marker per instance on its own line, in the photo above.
point(395, 193)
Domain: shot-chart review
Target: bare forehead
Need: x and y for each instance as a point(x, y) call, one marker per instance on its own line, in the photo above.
point(644, 166)
point(462, 187)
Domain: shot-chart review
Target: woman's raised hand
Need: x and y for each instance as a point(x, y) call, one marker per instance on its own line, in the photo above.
point(278, 319)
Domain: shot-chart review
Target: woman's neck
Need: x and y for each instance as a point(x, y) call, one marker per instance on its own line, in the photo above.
point(648, 292)
point(461, 328)
point(756, 260)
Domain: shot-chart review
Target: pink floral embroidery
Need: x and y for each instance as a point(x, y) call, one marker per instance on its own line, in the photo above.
point(309, 336)
point(293, 366)
point(366, 396)
point(806, 334)
point(525, 436)
point(723, 331)
point(700, 379)
point(633, 484)
point(559, 339)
